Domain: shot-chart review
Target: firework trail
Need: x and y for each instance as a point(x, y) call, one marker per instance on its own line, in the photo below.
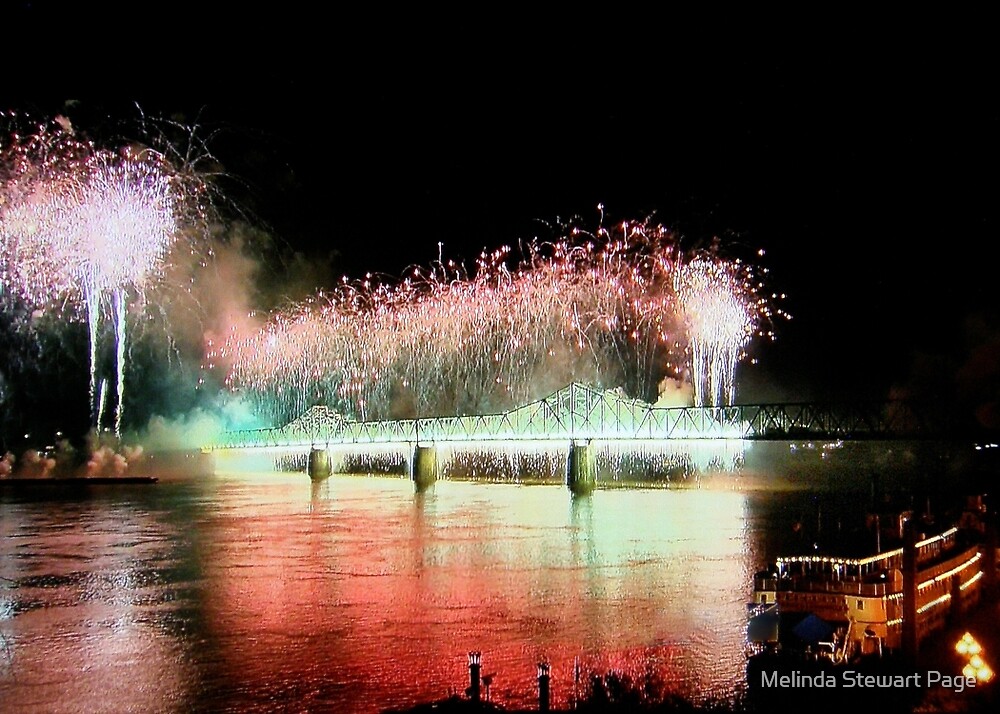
point(622, 307)
point(119, 309)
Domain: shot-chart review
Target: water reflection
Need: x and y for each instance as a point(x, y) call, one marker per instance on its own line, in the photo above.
point(357, 594)
point(86, 617)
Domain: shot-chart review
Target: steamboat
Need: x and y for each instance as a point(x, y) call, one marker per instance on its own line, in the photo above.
point(837, 609)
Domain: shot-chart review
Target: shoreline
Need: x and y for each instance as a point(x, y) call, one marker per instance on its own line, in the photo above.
point(14, 482)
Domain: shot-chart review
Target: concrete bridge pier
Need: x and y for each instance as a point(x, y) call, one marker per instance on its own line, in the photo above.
point(319, 464)
point(423, 466)
point(581, 470)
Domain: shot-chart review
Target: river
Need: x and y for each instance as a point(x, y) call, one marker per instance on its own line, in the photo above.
point(266, 592)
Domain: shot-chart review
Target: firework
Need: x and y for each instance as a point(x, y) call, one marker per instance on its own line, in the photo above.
point(622, 307)
point(721, 315)
point(84, 228)
point(116, 228)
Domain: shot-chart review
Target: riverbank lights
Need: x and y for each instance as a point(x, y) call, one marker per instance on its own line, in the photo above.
point(475, 659)
point(976, 666)
point(982, 673)
point(968, 645)
point(543, 686)
point(980, 670)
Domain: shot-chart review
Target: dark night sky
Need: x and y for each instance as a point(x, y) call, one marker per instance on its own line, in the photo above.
point(866, 172)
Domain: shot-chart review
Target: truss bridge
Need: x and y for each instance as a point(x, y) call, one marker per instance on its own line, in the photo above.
point(582, 413)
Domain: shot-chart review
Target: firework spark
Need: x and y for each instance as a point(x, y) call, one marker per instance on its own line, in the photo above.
point(622, 307)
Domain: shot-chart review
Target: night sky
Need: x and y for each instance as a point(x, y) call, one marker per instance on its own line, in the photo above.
point(867, 177)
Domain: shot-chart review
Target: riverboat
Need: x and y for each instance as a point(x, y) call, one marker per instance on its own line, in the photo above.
point(841, 609)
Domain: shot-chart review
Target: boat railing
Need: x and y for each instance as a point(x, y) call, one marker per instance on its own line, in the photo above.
point(822, 585)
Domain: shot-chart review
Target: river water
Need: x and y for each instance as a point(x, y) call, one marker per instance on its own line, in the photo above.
point(266, 592)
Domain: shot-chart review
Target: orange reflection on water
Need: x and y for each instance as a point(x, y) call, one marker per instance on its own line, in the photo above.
point(360, 594)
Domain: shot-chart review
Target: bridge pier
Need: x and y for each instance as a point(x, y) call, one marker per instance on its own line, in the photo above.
point(581, 471)
point(423, 466)
point(319, 464)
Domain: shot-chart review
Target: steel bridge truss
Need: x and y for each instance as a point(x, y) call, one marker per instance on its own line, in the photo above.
point(578, 412)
